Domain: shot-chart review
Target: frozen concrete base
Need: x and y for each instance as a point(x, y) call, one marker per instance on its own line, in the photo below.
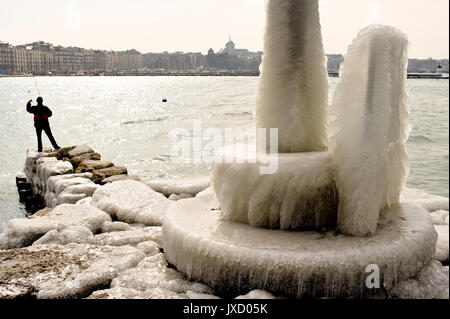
point(233, 258)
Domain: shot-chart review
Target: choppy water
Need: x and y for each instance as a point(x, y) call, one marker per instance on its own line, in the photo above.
point(124, 119)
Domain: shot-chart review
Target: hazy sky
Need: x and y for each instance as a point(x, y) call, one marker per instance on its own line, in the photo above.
point(197, 25)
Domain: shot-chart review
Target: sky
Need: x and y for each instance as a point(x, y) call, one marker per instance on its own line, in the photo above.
point(197, 25)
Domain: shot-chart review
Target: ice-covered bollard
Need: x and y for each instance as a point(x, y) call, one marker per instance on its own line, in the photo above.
point(300, 193)
point(369, 128)
point(293, 87)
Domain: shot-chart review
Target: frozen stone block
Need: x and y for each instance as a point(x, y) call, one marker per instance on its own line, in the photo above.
point(80, 150)
point(83, 157)
point(103, 173)
point(91, 165)
point(185, 185)
point(21, 232)
point(122, 177)
point(430, 283)
point(442, 249)
point(428, 201)
point(132, 202)
point(300, 195)
point(70, 271)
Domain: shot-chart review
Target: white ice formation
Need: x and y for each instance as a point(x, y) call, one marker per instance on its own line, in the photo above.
point(180, 186)
point(70, 271)
point(369, 128)
point(39, 168)
point(293, 86)
point(131, 202)
point(20, 232)
point(234, 258)
point(300, 195)
point(430, 202)
point(430, 283)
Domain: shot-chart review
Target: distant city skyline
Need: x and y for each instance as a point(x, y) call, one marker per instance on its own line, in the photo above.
point(196, 26)
point(219, 49)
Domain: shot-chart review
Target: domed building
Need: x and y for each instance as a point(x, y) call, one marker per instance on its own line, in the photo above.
point(229, 47)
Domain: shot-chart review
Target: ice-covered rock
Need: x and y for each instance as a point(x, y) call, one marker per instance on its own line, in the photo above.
point(131, 202)
point(442, 249)
point(80, 150)
point(63, 152)
point(130, 293)
point(129, 237)
point(235, 258)
point(91, 165)
point(68, 189)
point(196, 295)
point(149, 248)
point(184, 185)
point(440, 217)
point(257, 294)
point(71, 234)
point(56, 184)
point(108, 227)
point(153, 277)
point(84, 201)
point(122, 177)
point(77, 160)
point(428, 201)
point(49, 168)
point(20, 232)
point(293, 86)
point(103, 173)
point(300, 195)
point(180, 196)
point(72, 194)
point(369, 128)
point(30, 163)
point(431, 283)
point(71, 271)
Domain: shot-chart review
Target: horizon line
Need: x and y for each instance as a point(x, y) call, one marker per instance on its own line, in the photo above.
point(161, 52)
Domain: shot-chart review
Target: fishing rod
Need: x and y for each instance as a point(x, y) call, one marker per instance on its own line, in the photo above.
point(35, 83)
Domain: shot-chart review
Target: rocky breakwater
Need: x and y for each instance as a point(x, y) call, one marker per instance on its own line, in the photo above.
point(99, 237)
point(68, 175)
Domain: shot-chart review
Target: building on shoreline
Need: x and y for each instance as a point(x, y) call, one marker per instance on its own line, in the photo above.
point(41, 58)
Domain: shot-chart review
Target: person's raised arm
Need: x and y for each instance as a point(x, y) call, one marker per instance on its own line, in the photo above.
point(29, 107)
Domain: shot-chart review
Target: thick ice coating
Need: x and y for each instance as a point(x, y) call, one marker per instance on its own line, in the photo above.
point(54, 271)
point(234, 258)
point(300, 195)
point(132, 202)
point(20, 232)
point(189, 186)
point(293, 87)
point(369, 128)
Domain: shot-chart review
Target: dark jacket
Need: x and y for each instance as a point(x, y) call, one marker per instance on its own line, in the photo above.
point(41, 113)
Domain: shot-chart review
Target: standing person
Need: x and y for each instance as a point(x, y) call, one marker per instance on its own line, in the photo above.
point(41, 115)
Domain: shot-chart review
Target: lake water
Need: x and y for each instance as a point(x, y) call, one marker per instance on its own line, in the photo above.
point(124, 119)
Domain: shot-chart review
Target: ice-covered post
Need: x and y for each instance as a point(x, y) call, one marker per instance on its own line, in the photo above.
point(369, 128)
point(293, 87)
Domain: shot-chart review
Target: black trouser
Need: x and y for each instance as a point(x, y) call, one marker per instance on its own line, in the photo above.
point(46, 128)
